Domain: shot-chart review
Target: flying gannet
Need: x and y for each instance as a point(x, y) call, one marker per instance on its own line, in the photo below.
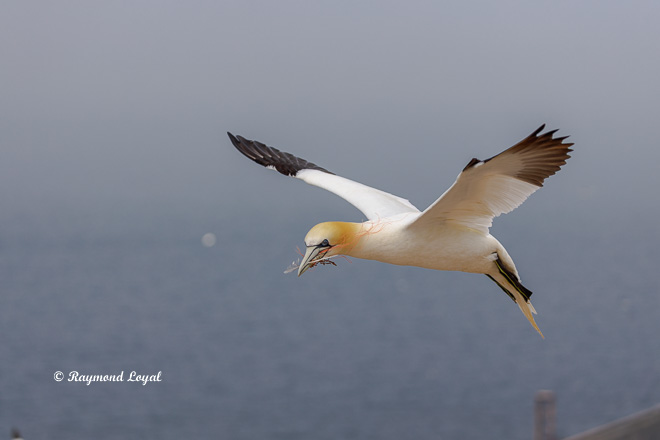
point(451, 234)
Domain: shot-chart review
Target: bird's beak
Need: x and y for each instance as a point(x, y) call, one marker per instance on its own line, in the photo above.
point(311, 254)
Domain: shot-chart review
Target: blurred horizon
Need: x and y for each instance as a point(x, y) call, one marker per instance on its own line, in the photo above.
point(114, 163)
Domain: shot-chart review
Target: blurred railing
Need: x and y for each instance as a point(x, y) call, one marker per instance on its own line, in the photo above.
point(644, 425)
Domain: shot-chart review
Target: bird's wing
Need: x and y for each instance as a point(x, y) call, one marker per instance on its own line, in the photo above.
point(488, 188)
point(374, 203)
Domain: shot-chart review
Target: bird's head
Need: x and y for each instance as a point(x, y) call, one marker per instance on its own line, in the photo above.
point(327, 239)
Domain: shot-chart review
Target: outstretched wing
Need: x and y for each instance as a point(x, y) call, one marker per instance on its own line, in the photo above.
point(488, 188)
point(374, 203)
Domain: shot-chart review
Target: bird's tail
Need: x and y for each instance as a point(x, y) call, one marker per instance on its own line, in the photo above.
point(511, 285)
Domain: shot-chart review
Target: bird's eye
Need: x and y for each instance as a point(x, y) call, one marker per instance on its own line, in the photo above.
point(325, 243)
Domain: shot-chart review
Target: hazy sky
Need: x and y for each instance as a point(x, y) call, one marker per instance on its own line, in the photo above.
point(117, 102)
point(113, 115)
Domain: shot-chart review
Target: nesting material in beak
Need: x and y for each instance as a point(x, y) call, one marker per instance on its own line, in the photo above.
point(312, 254)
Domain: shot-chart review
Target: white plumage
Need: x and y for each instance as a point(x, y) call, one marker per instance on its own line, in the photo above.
point(451, 234)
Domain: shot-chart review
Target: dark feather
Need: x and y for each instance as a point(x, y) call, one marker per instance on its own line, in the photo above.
point(542, 155)
point(285, 163)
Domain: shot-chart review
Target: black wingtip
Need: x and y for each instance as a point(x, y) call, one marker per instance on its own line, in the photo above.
point(266, 156)
point(538, 130)
point(232, 138)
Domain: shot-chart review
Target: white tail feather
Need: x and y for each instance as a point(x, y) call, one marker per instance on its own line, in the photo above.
point(527, 308)
point(525, 305)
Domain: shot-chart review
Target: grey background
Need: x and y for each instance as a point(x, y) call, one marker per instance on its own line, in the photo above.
point(114, 162)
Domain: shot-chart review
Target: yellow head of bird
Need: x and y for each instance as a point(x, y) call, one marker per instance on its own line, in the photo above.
point(327, 239)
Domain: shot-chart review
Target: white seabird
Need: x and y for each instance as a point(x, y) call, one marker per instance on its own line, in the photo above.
point(451, 234)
